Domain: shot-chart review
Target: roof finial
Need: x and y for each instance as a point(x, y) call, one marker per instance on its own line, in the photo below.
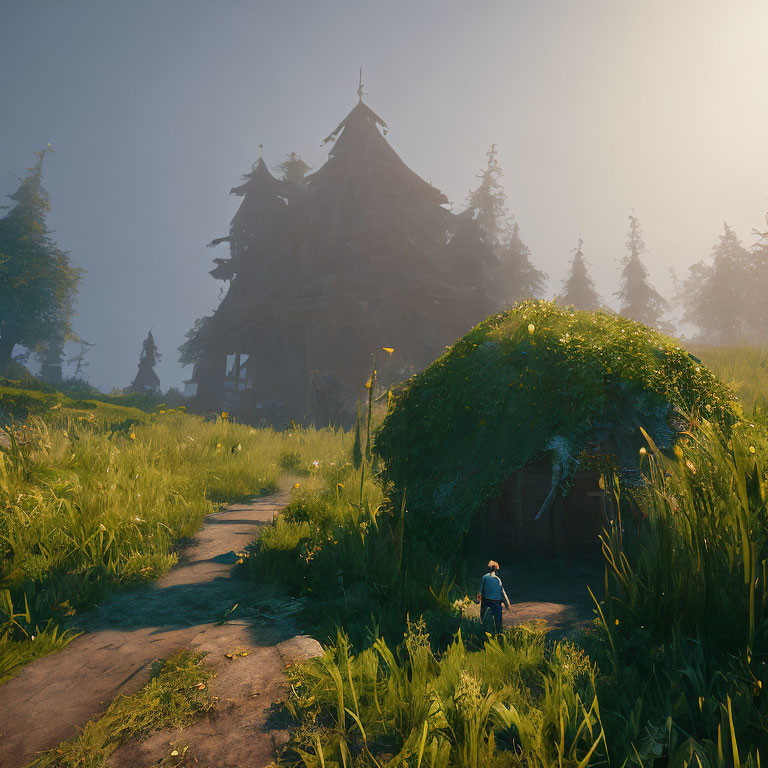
point(360, 91)
point(261, 150)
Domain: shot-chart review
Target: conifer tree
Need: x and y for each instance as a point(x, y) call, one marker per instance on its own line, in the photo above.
point(146, 379)
point(38, 285)
point(640, 301)
point(488, 203)
point(514, 278)
point(579, 289)
point(293, 169)
point(716, 294)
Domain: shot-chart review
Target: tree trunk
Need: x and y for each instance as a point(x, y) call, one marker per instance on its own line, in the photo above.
point(6, 350)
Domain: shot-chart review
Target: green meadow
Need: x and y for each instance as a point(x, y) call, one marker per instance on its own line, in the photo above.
point(95, 497)
point(671, 672)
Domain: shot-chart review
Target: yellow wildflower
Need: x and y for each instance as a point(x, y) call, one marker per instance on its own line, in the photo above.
point(388, 350)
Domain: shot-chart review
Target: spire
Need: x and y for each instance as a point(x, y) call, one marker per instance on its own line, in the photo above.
point(31, 184)
point(360, 91)
point(41, 153)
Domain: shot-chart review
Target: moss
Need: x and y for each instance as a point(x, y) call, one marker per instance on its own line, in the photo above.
point(501, 393)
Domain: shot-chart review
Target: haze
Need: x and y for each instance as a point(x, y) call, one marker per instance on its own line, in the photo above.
point(598, 108)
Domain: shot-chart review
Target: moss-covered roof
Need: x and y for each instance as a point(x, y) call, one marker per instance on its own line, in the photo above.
point(537, 379)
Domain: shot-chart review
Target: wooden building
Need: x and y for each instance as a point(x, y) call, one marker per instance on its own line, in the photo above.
point(326, 269)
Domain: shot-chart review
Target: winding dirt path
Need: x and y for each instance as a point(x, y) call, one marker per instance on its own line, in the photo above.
point(54, 696)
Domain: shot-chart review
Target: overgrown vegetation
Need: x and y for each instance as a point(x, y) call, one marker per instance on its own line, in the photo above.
point(673, 669)
point(519, 383)
point(671, 673)
point(517, 700)
point(173, 698)
point(351, 561)
point(744, 368)
point(95, 501)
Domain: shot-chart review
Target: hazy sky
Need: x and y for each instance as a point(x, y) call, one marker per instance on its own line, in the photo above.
point(154, 109)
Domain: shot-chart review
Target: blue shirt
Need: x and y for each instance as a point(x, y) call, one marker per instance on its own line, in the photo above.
point(491, 588)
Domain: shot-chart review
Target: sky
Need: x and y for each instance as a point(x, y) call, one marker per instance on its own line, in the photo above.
point(599, 108)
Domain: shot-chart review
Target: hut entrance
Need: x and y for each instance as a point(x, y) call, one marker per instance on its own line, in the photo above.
point(570, 529)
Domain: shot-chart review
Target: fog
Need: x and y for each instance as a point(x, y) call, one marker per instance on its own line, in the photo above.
point(599, 108)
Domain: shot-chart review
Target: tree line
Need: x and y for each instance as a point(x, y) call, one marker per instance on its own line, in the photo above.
point(722, 296)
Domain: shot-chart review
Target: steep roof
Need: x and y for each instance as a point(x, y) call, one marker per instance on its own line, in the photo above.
point(259, 180)
point(360, 145)
point(264, 198)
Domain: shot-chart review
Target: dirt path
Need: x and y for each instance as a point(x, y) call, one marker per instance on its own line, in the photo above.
point(57, 694)
point(555, 599)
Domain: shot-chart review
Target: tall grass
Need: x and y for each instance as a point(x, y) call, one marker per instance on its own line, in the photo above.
point(85, 508)
point(672, 673)
point(350, 558)
point(685, 618)
point(516, 701)
point(744, 368)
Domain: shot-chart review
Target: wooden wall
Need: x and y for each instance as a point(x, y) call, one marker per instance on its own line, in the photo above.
point(570, 529)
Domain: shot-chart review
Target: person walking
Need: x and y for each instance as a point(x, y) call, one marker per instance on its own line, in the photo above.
point(492, 595)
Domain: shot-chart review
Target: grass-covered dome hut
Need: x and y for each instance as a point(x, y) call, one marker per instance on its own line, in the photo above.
point(514, 425)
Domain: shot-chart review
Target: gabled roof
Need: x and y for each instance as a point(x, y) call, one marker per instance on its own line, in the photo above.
point(259, 178)
point(359, 142)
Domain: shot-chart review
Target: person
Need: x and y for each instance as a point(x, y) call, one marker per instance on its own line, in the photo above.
point(492, 595)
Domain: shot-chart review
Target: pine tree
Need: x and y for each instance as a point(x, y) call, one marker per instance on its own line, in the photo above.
point(579, 289)
point(38, 285)
point(514, 277)
point(488, 203)
point(293, 169)
point(146, 379)
point(639, 299)
point(518, 278)
point(716, 294)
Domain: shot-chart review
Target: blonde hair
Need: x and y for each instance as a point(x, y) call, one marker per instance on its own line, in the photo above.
point(493, 565)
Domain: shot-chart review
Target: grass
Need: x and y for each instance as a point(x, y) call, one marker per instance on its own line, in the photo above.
point(518, 700)
point(744, 368)
point(342, 546)
point(86, 508)
point(685, 620)
point(175, 696)
point(672, 672)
